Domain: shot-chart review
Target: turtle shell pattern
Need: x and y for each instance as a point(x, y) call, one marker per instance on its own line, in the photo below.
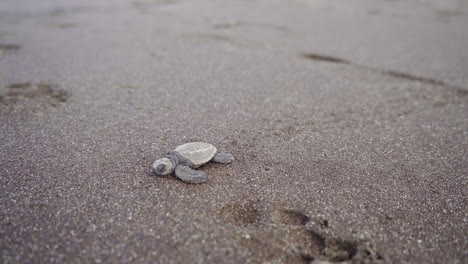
point(198, 153)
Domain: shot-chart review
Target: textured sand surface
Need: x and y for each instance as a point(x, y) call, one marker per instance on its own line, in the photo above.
point(348, 121)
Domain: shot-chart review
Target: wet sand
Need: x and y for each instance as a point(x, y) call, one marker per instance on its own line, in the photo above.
point(348, 122)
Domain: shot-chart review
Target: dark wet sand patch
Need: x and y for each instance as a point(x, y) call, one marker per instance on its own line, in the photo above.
point(400, 75)
point(326, 58)
point(409, 77)
point(10, 46)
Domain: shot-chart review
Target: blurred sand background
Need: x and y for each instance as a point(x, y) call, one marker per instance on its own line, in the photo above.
point(348, 120)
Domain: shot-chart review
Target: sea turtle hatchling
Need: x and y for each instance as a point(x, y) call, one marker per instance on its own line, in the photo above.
point(187, 157)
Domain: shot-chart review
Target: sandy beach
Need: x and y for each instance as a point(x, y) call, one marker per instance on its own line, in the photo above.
point(348, 121)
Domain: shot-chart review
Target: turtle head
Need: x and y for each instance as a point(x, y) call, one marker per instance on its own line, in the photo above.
point(162, 167)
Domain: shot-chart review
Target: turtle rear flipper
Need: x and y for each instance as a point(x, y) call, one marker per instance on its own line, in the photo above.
point(224, 158)
point(186, 174)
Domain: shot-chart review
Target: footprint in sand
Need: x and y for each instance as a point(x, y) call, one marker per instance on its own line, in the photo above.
point(287, 239)
point(240, 214)
point(17, 91)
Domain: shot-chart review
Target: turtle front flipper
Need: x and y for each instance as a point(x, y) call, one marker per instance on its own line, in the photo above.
point(224, 158)
point(186, 174)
